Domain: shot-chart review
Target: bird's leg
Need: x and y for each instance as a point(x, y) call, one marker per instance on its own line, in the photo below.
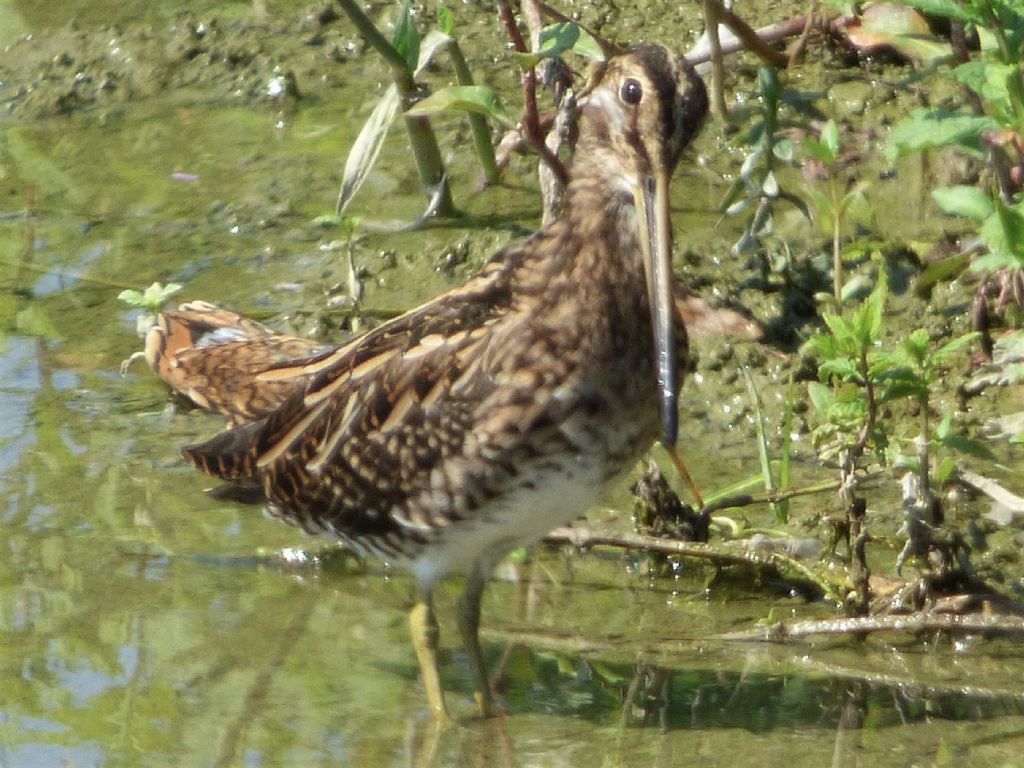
point(425, 635)
point(469, 630)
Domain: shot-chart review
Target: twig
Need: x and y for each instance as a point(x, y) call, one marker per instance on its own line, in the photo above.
point(748, 37)
point(860, 625)
point(552, 186)
point(710, 9)
point(785, 660)
point(584, 538)
point(701, 53)
point(1011, 501)
point(801, 42)
point(775, 497)
point(531, 120)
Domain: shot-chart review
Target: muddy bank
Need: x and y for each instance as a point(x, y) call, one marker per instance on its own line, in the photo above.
point(194, 59)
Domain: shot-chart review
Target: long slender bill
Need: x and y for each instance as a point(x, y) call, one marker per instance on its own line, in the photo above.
point(652, 201)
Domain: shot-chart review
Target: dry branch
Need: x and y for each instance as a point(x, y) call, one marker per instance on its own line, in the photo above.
point(860, 625)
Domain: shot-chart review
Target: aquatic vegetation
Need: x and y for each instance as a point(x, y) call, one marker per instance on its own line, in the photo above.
point(988, 125)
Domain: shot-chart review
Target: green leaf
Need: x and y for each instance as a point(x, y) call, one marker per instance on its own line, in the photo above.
point(967, 446)
point(897, 27)
point(964, 201)
point(939, 270)
point(445, 20)
point(463, 98)
point(821, 396)
point(556, 39)
point(784, 150)
point(822, 344)
point(131, 297)
point(431, 44)
point(903, 388)
point(406, 39)
point(937, 128)
point(843, 367)
point(902, 375)
point(151, 299)
point(883, 363)
point(952, 346)
point(856, 287)
point(868, 317)
point(823, 206)
point(328, 220)
point(830, 139)
point(949, 9)
point(943, 471)
point(768, 85)
point(785, 466)
point(916, 344)
point(818, 150)
point(842, 329)
point(993, 82)
point(993, 262)
point(851, 394)
point(1003, 232)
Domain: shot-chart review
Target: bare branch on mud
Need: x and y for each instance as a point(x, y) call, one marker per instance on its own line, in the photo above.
point(722, 556)
point(782, 631)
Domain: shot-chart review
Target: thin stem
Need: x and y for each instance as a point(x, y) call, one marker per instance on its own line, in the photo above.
point(531, 119)
point(477, 123)
point(711, 10)
point(376, 40)
point(750, 39)
point(421, 136)
point(869, 393)
point(837, 256)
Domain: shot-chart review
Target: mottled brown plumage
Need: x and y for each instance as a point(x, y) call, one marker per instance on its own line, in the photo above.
point(227, 363)
point(486, 417)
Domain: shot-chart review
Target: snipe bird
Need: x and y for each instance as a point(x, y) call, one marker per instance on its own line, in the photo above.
point(479, 421)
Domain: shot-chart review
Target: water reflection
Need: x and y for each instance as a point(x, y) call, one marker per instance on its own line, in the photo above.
point(139, 624)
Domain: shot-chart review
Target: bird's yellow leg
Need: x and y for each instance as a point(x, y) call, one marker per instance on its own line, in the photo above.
point(425, 635)
point(469, 631)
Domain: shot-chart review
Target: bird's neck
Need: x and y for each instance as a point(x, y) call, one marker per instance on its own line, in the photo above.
point(607, 226)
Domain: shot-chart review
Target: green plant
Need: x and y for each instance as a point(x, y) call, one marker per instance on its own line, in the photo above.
point(992, 129)
point(151, 301)
point(833, 208)
point(757, 185)
point(406, 57)
point(857, 375)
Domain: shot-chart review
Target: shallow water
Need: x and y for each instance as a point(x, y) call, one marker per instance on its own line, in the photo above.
point(145, 623)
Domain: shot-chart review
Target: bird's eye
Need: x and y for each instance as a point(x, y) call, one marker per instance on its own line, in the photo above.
point(632, 91)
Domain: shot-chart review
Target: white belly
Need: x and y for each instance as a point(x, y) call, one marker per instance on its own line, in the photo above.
point(520, 516)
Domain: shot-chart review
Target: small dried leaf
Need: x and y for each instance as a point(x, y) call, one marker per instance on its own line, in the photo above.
point(367, 146)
